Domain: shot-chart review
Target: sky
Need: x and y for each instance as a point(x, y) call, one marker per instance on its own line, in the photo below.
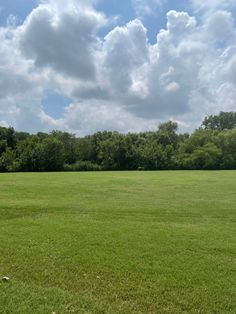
point(84, 66)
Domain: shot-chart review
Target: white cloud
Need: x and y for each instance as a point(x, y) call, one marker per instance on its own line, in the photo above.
point(220, 26)
point(230, 69)
point(125, 50)
point(211, 5)
point(119, 81)
point(20, 84)
point(89, 117)
point(64, 40)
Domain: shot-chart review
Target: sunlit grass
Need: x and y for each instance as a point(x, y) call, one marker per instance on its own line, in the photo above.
point(118, 242)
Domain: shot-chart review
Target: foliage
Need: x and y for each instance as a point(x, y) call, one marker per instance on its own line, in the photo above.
point(8, 161)
point(225, 120)
point(81, 165)
point(213, 146)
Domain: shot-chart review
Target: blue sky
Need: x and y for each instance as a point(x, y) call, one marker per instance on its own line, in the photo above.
point(89, 65)
point(124, 9)
point(19, 8)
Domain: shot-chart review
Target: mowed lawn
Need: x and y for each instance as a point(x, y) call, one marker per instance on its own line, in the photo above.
point(118, 242)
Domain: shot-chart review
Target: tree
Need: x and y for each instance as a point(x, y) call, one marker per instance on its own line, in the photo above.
point(227, 142)
point(113, 151)
point(7, 139)
point(166, 134)
point(8, 161)
point(151, 156)
point(69, 145)
point(29, 154)
point(204, 157)
point(200, 151)
point(3, 146)
point(225, 120)
point(213, 146)
point(52, 154)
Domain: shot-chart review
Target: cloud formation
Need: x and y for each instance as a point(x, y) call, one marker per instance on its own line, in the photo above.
point(64, 40)
point(210, 6)
point(119, 80)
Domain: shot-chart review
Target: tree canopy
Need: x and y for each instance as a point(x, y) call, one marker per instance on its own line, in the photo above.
point(212, 146)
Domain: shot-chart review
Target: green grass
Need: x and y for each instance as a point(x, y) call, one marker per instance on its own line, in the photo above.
point(118, 242)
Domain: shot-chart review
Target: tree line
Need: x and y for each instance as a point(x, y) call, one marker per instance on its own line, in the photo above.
point(211, 146)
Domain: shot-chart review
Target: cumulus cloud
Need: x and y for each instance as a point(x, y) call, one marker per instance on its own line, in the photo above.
point(89, 117)
point(20, 84)
point(117, 81)
point(125, 50)
point(64, 40)
point(220, 26)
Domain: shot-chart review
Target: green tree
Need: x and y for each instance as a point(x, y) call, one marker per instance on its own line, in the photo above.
point(204, 157)
point(7, 139)
point(227, 142)
point(200, 151)
point(8, 161)
point(29, 154)
point(69, 145)
point(52, 154)
point(225, 120)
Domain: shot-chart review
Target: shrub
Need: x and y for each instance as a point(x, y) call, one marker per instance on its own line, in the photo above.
point(82, 166)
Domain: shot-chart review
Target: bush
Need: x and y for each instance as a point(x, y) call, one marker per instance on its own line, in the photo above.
point(82, 166)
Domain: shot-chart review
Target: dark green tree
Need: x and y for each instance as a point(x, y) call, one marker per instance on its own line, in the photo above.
point(225, 120)
point(29, 153)
point(69, 145)
point(52, 157)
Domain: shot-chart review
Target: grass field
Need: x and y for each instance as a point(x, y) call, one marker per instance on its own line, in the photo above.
point(118, 242)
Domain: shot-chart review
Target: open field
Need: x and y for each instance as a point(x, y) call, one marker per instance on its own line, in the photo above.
point(118, 242)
